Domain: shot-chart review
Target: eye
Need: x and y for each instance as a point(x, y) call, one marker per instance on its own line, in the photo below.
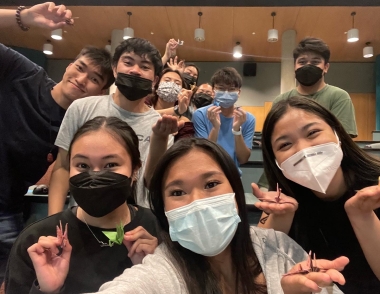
point(176, 193)
point(283, 146)
point(111, 165)
point(128, 63)
point(79, 68)
point(212, 184)
point(95, 81)
point(313, 132)
point(82, 166)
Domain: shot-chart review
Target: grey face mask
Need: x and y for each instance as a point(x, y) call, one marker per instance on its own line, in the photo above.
point(168, 91)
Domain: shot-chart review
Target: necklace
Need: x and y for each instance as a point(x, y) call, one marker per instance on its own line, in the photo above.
point(101, 243)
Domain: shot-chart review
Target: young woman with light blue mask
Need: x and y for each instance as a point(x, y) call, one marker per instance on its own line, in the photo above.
point(330, 189)
point(208, 246)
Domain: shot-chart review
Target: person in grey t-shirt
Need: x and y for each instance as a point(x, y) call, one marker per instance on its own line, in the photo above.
point(136, 65)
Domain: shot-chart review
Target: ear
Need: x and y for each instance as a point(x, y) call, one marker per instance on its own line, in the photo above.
point(134, 176)
point(327, 66)
point(114, 69)
point(239, 92)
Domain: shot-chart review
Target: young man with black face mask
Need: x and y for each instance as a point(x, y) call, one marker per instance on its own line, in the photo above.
point(311, 63)
point(136, 65)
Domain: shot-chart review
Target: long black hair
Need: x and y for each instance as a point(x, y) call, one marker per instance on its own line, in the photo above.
point(359, 169)
point(195, 269)
point(121, 131)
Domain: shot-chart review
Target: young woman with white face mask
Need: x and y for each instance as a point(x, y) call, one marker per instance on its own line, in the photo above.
point(330, 193)
point(169, 89)
point(208, 246)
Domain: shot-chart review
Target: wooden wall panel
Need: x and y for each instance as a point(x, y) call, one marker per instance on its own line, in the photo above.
point(258, 112)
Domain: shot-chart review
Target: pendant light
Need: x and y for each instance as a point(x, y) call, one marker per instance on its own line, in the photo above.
point(199, 33)
point(238, 51)
point(48, 48)
point(56, 34)
point(273, 33)
point(128, 31)
point(368, 50)
point(353, 34)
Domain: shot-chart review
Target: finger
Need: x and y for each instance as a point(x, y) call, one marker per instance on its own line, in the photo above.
point(256, 191)
point(180, 124)
point(51, 6)
point(338, 263)
point(49, 245)
point(61, 10)
point(138, 233)
point(69, 14)
point(138, 242)
point(146, 248)
point(301, 283)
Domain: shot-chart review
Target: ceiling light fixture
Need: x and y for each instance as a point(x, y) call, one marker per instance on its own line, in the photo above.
point(273, 33)
point(353, 34)
point(199, 33)
point(238, 51)
point(57, 34)
point(128, 31)
point(48, 48)
point(368, 50)
point(108, 46)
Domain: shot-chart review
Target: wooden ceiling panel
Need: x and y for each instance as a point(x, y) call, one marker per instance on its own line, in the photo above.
point(223, 26)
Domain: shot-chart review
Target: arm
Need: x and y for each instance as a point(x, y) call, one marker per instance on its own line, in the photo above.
point(360, 210)
point(201, 120)
point(277, 216)
point(161, 130)
point(243, 142)
point(59, 183)
point(46, 15)
point(183, 104)
point(170, 49)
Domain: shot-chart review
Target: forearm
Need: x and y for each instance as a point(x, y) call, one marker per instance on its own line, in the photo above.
point(213, 136)
point(242, 151)
point(160, 145)
point(169, 111)
point(280, 223)
point(164, 59)
point(58, 188)
point(8, 18)
point(367, 230)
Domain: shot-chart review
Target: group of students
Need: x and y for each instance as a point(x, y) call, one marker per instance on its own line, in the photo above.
point(188, 232)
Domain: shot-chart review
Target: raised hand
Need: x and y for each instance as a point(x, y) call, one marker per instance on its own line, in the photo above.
point(297, 282)
point(274, 202)
point(175, 65)
point(213, 114)
point(47, 15)
point(364, 201)
point(166, 125)
point(139, 244)
point(170, 48)
point(184, 100)
point(51, 267)
point(240, 116)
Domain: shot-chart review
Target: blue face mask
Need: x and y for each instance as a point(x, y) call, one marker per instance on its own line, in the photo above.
point(205, 226)
point(226, 99)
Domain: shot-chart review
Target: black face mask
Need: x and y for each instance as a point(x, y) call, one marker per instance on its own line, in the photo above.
point(99, 193)
point(201, 100)
point(133, 87)
point(189, 80)
point(309, 74)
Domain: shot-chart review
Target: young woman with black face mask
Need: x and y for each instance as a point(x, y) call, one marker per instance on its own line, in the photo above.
point(208, 246)
point(107, 235)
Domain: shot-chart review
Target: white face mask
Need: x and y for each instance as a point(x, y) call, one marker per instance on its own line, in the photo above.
point(205, 226)
point(168, 91)
point(314, 167)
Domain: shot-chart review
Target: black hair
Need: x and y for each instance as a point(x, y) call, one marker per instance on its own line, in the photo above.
point(314, 45)
point(195, 268)
point(142, 48)
point(122, 132)
point(354, 159)
point(100, 58)
point(154, 96)
point(228, 76)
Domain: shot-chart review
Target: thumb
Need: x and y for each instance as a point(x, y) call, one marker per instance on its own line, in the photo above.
point(256, 191)
point(180, 124)
point(127, 244)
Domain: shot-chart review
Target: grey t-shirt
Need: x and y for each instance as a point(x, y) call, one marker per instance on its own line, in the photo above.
point(83, 110)
point(157, 274)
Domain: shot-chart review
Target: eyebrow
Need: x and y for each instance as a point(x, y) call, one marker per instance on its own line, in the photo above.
point(110, 156)
point(305, 127)
point(95, 72)
point(143, 59)
point(203, 176)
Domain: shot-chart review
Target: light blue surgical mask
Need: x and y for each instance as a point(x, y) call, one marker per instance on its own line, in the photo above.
point(226, 99)
point(205, 226)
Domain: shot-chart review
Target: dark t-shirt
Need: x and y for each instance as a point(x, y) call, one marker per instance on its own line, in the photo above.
point(90, 265)
point(325, 228)
point(29, 123)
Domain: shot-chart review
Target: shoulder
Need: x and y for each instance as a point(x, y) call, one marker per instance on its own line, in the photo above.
point(336, 92)
point(284, 96)
point(201, 112)
point(91, 100)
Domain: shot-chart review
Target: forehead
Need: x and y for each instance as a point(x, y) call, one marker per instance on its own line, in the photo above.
point(98, 140)
point(172, 75)
point(191, 68)
point(89, 63)
point(205, 87)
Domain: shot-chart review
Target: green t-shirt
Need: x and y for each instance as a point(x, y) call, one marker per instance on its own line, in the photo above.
point(334, 99)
